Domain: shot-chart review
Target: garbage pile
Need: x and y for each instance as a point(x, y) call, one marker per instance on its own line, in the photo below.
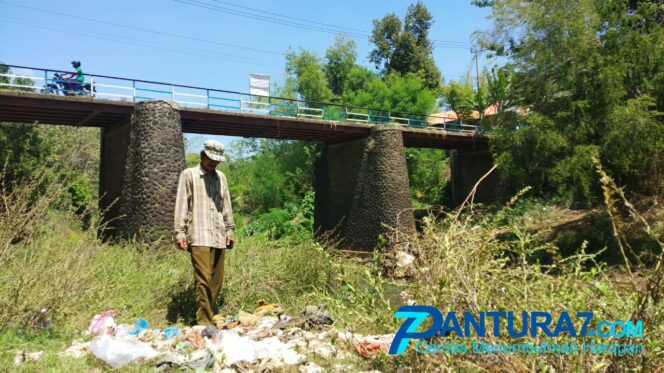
point(265, 340)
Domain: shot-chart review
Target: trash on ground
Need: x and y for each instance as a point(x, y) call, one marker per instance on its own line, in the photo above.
point(399, 264)
point(316, 316)
point(77, 349)
point(24, 357)
point(373, 345)
point(39, 320)
point(120, 351)
point(171, 332)
point(266, 340)
point(101, 322)
point(139, 326)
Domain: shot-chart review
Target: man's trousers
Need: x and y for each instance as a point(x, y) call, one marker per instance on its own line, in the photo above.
point(208, 265)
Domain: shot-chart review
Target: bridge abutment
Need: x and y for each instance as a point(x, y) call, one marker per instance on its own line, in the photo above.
point(143, 181)
point(112, 159)
point(467, 168)
point(362, 189)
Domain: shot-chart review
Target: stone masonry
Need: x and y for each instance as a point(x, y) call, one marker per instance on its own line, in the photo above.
point(154, 160)
point(362, 189)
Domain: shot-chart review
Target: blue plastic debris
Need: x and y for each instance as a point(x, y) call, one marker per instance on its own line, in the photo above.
point(170, 332)
point(139, 326)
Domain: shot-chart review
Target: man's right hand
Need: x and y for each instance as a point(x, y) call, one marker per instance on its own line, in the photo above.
point(182, 244)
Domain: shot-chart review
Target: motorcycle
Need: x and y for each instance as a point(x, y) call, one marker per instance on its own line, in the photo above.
point(68, 87)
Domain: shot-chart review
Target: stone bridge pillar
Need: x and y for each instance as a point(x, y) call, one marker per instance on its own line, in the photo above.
point(467, 168)
point(141, 164)
point(361, 186)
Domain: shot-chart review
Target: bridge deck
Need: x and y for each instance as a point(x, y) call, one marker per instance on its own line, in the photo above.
point(25, 107)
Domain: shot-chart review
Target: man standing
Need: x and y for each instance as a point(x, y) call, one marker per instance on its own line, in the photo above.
point(204, 225)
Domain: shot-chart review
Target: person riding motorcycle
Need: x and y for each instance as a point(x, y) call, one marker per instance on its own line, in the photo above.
point(76, 77)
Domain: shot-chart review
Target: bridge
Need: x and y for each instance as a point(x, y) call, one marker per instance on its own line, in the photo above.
point(361, 174)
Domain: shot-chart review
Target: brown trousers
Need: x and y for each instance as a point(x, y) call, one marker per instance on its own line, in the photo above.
point(208, 265)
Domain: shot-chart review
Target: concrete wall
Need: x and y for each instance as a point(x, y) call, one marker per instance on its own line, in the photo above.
point(114, 144)
point(361, 185)
point(467, 168)
point(153, 159)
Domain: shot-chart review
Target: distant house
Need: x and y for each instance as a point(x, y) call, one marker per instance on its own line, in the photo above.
point(445, 117)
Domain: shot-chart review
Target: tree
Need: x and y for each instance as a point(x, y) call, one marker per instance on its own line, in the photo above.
point(405, 47)
point(581, 65)
point(458, 96)
point(308, 76)
point(499, 87)
point(399, 94)
point(340, 60)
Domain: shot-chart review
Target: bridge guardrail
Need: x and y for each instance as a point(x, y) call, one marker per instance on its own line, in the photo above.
point(134, 90)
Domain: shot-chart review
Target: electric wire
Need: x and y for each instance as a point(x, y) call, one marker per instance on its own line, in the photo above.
point(310, 27)
point(130, 27)
point(366, 33)
point(138, 42)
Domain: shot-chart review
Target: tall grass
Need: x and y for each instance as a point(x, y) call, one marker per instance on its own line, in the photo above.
point(473, 261)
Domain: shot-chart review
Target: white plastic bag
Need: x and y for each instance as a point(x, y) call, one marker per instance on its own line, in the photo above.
point(118, 352)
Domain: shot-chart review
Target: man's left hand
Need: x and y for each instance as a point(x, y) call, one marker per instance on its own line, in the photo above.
point(229, 242)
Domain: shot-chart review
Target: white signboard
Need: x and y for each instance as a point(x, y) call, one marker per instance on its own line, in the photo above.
point(259, 84)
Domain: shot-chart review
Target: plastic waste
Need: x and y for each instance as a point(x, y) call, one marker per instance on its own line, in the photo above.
point(139, 326)
point(210, 331)
point(170, 332)
point(101, 322)
point(120, 351)
point(22, 357)
point(40, 320)
point(122, 330)
point(317, 316)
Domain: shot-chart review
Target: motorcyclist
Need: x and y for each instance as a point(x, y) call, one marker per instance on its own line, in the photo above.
point(76, 78)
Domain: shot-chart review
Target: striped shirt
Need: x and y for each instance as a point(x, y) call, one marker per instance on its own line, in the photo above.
point(203, 212)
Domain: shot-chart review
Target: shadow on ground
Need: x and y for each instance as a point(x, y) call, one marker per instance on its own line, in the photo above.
point(182, 307)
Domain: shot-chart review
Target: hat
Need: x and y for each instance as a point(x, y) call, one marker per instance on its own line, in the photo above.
point(214, 150)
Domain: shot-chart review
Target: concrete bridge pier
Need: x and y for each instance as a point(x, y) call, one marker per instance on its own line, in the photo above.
point(141, 162)
point(467, 168)
point(362, 188)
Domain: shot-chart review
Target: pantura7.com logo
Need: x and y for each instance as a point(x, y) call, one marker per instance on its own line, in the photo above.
point(506, 323)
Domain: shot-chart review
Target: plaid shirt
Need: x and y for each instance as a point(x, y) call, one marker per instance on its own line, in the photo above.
point(203, 213)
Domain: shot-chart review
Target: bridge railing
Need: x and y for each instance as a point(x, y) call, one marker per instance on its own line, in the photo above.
point(134, 90)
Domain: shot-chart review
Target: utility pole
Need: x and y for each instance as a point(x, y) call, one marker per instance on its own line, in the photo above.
point(477, 66)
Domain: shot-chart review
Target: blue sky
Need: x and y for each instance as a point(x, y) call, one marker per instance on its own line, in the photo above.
point(128, 38)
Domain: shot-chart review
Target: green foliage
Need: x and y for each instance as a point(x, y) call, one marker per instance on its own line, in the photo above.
point(311, 82)
point(267, 174)
point(408, 49)
point(192, 159)
point(458, 96)
point(340, 59)
point(523, 152)
point(27, 83)
point(83, 199)
point(635, 123)
point(292, 222)
point(22, 150)
point(499, 87)
point(574, 176)
point(593, 69)
point(400, 94)
point(426, 174)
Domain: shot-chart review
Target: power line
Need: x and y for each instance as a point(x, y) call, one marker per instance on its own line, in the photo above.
point(361, 34)
point(312, 26)
point(186, 37)
point(288, 17)
point(366, 33)
point(253, 16)
point(136, 42)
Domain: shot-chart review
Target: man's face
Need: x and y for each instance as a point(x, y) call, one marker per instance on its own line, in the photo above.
point(208, 164)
